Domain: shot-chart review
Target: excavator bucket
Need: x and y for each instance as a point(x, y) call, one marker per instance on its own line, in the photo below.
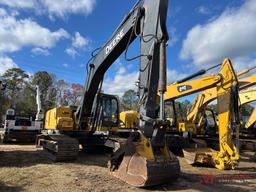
point(129, 165)
point(198, 155)
point(210, 157)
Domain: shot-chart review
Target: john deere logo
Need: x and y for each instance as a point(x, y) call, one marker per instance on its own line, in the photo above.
point(184, 88)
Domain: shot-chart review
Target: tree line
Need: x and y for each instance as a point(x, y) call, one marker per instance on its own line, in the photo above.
point(20, 94)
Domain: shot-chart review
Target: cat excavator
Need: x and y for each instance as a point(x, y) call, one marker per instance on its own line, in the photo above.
point(225, 82)
point(144, 158)
point(194, 114)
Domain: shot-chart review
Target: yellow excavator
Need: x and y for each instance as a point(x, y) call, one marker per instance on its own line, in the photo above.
point(225, 82)
point(144, 158)
point(195, 113)
point(129, 122)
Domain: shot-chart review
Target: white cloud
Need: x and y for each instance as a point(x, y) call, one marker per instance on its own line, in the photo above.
point(241, 63)
point(173, 75)
point(82, 65)
point(6, 63)
point(78, 43)
point(203, 10)
point(71, 52)
point(124, 80)
point(19, 3)
point(53, 8)
point(121, 81)
point(18, 33)
point(231, 34)
point(40, 51)
point(65, 65)
point(174, 38)
point(3, 12)
point(64, 7)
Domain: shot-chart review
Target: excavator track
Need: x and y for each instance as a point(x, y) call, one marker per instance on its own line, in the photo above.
point(59, 148)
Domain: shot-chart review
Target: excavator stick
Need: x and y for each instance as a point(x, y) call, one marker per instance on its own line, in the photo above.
point(136, 164)
point(227, 157)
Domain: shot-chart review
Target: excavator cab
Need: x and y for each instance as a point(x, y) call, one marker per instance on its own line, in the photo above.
point(209, 122)
point(106, 113)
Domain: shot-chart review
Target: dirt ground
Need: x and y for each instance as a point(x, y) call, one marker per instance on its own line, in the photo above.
point(23, 169)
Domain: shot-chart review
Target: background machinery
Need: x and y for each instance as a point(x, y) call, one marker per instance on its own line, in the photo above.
point(207, 96)
point(144, 159)
point(245, 97)
point(22, 128)
point(225, 83)
point(129, 121)
point(197, 113)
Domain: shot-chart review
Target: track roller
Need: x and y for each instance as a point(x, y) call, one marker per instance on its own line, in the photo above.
point(59, 147)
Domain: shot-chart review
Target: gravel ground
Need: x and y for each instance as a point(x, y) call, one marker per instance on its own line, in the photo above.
point(23, 169)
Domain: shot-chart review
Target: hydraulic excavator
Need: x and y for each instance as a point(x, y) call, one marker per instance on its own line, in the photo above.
point(194, 114)
point(226, 84)
point(144, 159)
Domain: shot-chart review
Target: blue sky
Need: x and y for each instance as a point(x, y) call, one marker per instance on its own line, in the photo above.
point(59, 37)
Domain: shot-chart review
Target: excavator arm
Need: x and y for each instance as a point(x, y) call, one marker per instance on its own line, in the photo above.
point(225, 84)
point(177, 90)
point(227, 104)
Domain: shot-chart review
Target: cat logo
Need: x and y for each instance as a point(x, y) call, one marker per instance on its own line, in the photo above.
point(184, 88)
